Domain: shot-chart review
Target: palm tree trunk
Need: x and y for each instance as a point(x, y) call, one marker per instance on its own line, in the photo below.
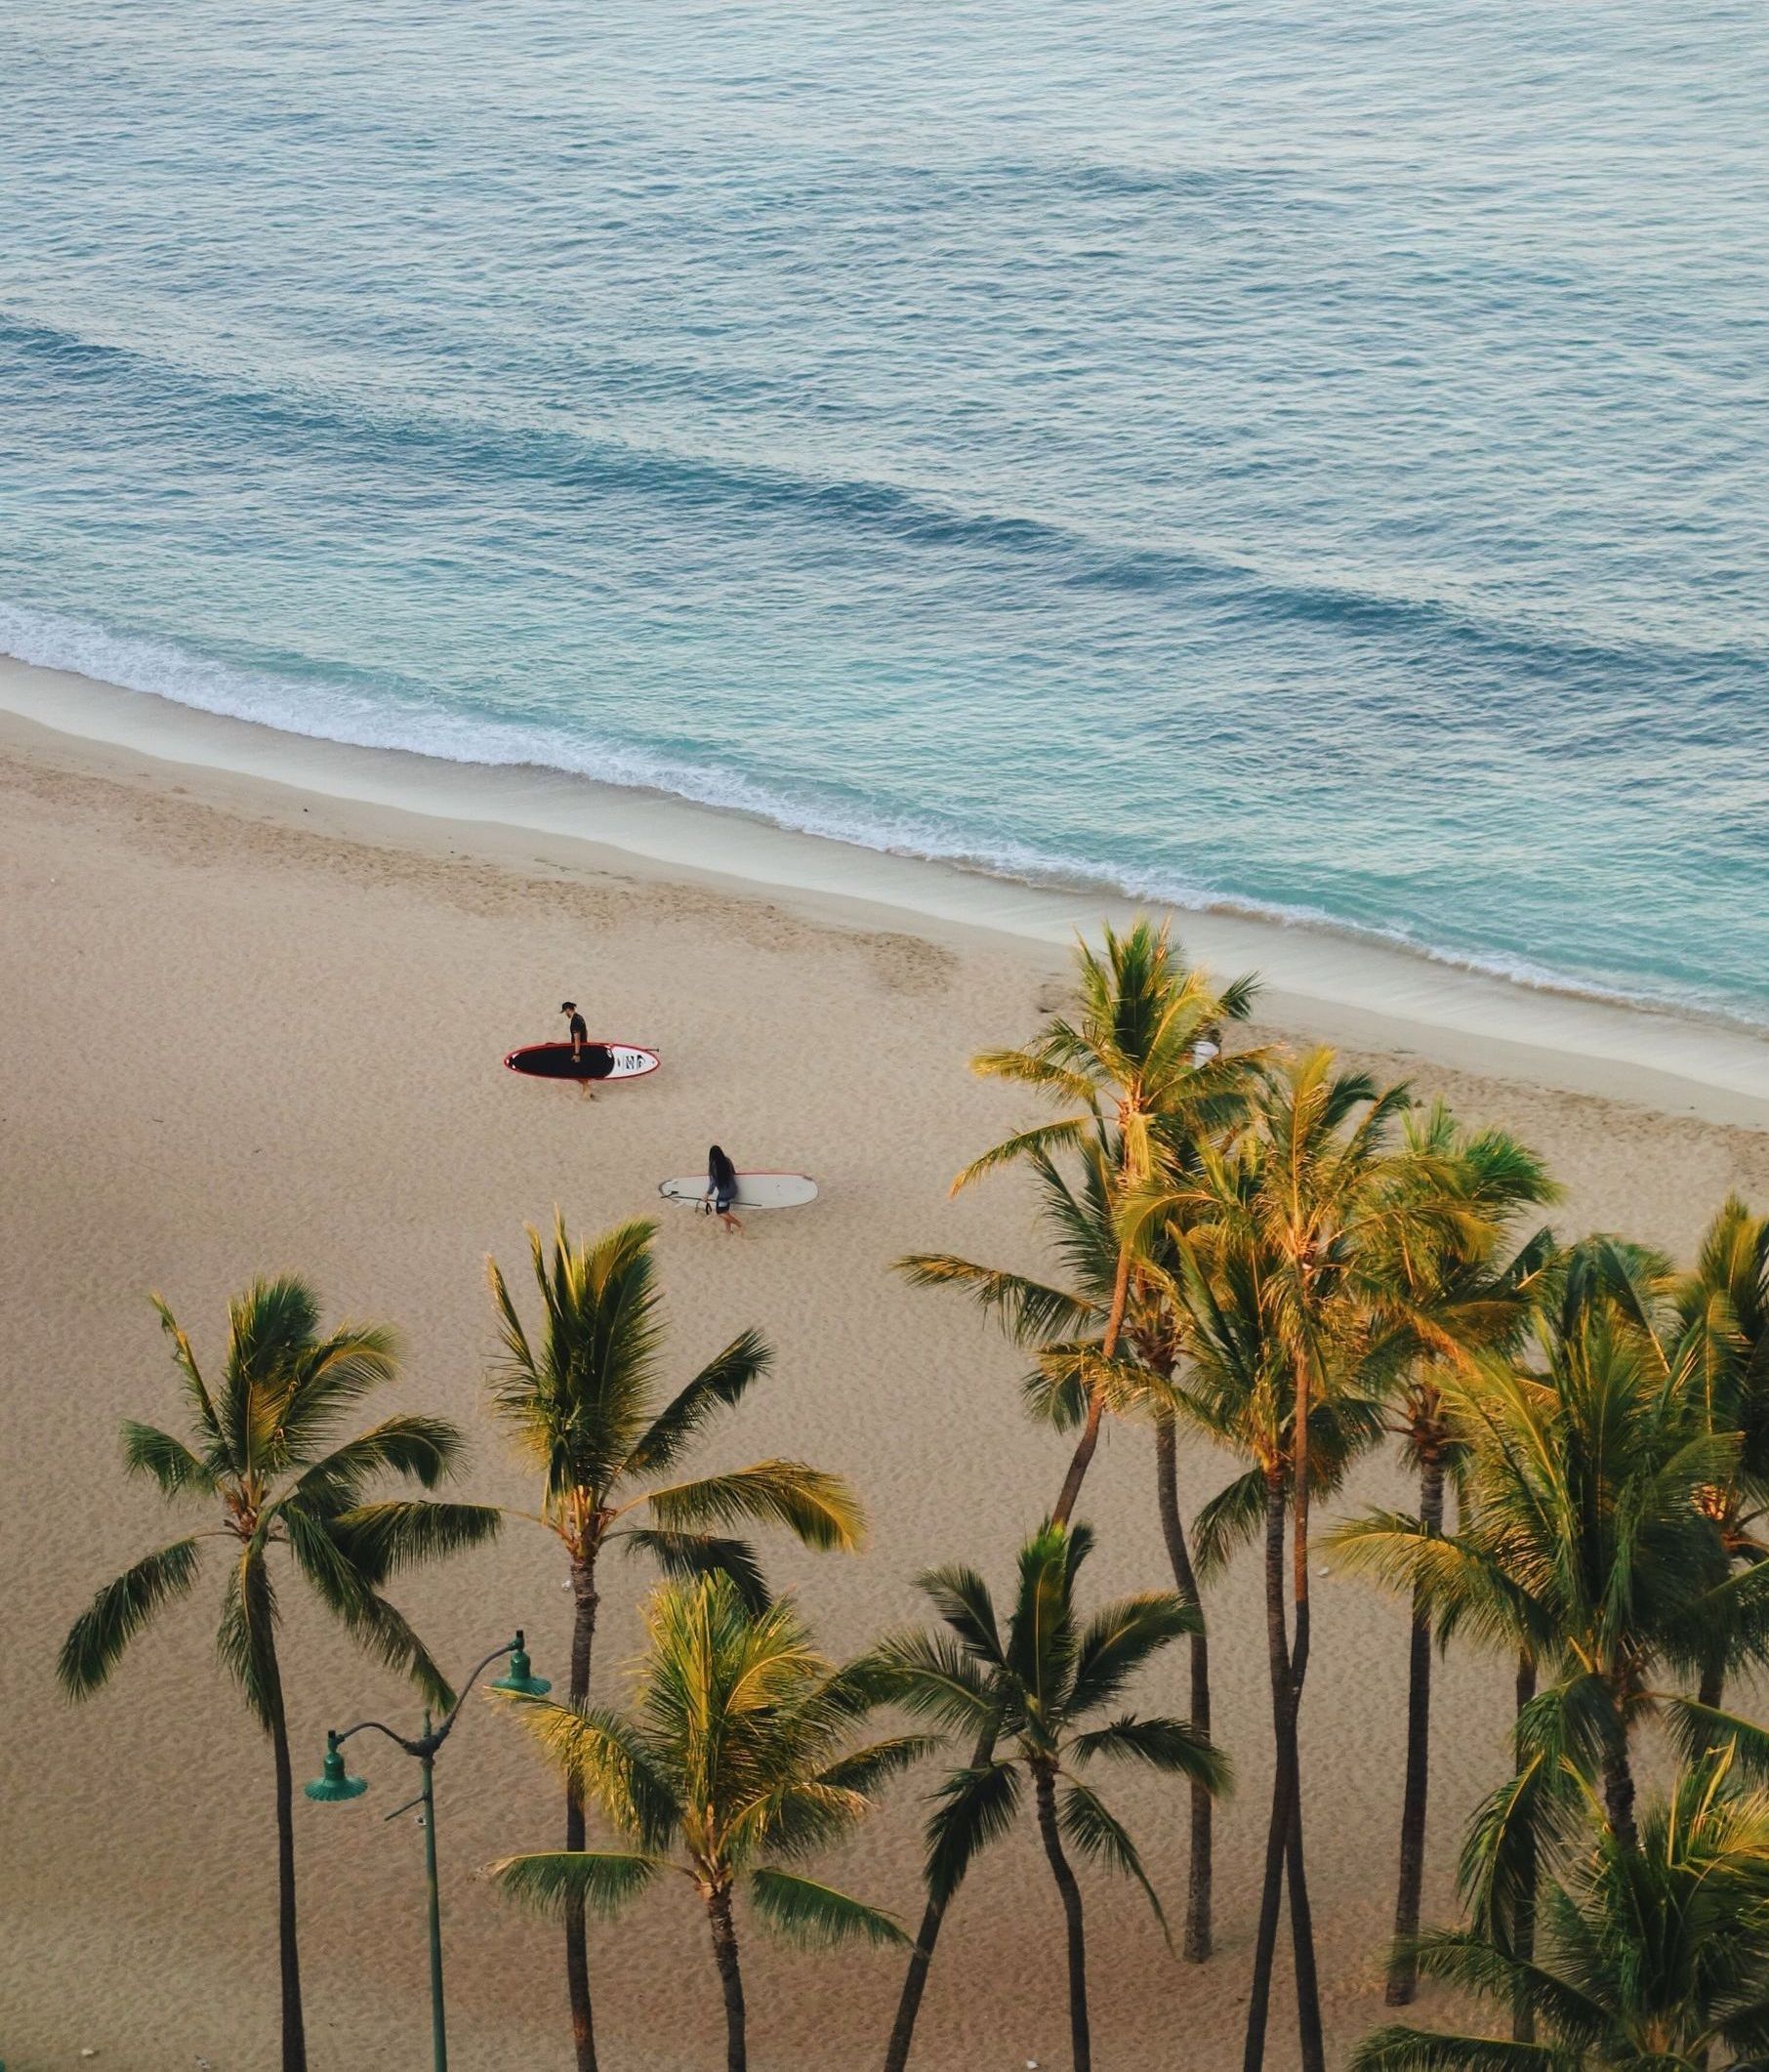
point(577, 1934)
point(1301, 1925)
point(1080, 2037)
point(294, 2027)
point(1301, 1933)
point(1089, 1431)
point(1619, 1790)
point(730, 1977)
point(1283, 1780)
point(915, 1983)
point(1078, 1465)
point(1197, 1942)
point(1403, 1965)
point(1523, 1928)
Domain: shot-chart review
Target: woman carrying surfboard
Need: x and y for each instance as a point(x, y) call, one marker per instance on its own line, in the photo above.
point(722, 1187)
point(755, 1190)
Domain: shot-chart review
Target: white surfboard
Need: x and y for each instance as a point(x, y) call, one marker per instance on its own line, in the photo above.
point(755, 1190)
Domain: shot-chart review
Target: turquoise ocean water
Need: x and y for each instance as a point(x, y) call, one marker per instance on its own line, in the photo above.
point(1310, 459)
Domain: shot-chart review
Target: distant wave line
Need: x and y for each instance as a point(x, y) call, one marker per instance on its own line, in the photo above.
point(1074, 554)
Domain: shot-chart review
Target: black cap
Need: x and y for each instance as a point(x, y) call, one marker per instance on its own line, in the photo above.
point(567, 1007)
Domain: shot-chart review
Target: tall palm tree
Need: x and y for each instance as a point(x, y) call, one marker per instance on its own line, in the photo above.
point(1063, 1326)
point(737, 1761)
point(1587, 1549)
point(587, 1403)
point(1461, 1294)
point(1036, 1688)
point(1721, 1321)
point(1237, 1388)
point(263, 1453)
point(1655, 1951)
point(1289, 1237)
point(1125, 1059)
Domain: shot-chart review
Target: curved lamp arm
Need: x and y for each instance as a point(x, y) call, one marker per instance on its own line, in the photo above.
point(428, 1744)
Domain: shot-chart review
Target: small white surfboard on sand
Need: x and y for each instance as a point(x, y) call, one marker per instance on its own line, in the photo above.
point(755, 1190)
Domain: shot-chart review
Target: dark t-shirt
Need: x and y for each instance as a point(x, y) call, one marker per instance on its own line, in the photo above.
point(580, 1029)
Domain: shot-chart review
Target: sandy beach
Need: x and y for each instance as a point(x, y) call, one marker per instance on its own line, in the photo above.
point(257, 994)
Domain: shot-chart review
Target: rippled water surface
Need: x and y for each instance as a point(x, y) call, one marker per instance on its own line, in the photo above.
point(1308, 457)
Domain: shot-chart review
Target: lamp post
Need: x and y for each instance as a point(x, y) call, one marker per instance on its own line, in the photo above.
point(335, 1783)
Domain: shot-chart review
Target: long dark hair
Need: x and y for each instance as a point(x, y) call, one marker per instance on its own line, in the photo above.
point(720, 1168)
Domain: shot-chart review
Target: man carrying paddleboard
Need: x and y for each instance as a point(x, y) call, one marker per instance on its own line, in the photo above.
point(589, 1066)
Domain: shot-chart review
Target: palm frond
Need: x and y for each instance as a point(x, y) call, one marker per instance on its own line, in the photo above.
point(246, 1638)
point(819, 1508)
point(582, 1397)
point(602, 1880)
point(1119, 1638)
point(962, 1599)
point(1029, 1311)
point(932, 1677)
point(976, 1807)
point(326, 1378)
point(95, 1641)
point(864, 1769)
point(379, 1539)
point(1695, 1730)
point(1174, 1746)
point(196, 1389)
point(816, 1916)
point(165, 1460)
point(1233, 1518)
point(1046, 1139)
point(1101, 1837)
point(344, 1560)
point(609, 1761)
point(685, 1556)
point(1397, 2047)
point(718, 1386)
point(424, 1448)
point(1478, 1966)
point(1039, 1652)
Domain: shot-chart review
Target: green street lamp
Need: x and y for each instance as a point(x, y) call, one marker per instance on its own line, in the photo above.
point(335, 1783)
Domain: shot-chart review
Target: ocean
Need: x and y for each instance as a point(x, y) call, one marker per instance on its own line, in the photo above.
point(1312, 461)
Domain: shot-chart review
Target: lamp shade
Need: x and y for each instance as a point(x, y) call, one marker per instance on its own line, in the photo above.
point(334, 1782)
point(517, 1676)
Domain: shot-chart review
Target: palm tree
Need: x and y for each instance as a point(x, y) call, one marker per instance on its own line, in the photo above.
point(1238, 1389)
point(1461, 1297)
point(263, 1450)
point(1289, 1237)
point(1036, 1687)
point(1063, 1326)
point(1127, 1059)
point(1587, 1549)
point(1124, 1061)
point(588, 1405)
point(736, 1761)
point(1655, 1951)
point(1721, 1319)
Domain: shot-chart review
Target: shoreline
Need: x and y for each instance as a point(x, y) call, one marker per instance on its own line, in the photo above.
point(1317, 982)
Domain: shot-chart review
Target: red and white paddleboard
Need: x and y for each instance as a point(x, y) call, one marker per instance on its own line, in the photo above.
point(598, 1059)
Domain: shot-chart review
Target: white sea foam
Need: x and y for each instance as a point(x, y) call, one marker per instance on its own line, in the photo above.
point(328, 711)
